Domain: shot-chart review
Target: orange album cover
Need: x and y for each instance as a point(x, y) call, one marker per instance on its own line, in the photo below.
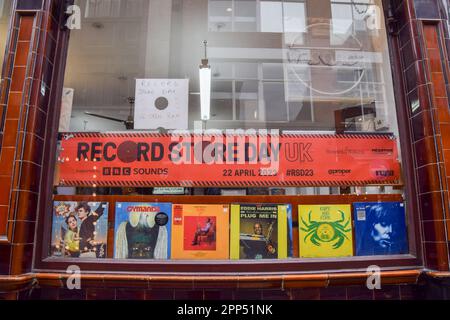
point(200, 231)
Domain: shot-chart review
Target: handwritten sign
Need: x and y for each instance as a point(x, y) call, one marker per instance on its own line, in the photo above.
point(161, 103)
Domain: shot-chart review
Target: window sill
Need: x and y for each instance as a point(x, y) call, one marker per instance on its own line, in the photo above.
point(141, 281)
point(232, 267)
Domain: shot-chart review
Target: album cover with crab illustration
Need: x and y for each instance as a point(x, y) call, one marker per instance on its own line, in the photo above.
point(380, 228)
point(142, 230)
point(79, 229)
point(325, 231)
point(260, 231)
point(200, 231)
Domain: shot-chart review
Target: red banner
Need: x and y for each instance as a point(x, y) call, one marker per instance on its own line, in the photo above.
point(146, 159)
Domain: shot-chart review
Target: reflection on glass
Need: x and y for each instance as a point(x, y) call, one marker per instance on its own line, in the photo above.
point(220, 15)
point(271, 16)
point(245, 16)
point(247, 100)
point(272, 56)
point(297, 66)
point(222, 100)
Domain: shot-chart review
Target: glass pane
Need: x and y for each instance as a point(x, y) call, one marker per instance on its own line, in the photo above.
point(246, 70)
point(313, 72)
point(271, 16)
point(222, 70)
point(245, 16)
point(220, 15)
point(273, 71)
point(292, 62)
point(275, 102)
point(247, 100)
point(247, 109)
point(222, 100)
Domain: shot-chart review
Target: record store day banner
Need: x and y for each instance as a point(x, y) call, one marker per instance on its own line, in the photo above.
point(148, 159)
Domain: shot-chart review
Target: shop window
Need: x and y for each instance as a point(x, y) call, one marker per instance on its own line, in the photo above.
point(302, 88)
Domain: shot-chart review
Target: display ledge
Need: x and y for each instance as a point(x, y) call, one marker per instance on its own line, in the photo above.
point(294, 201)
point(281, 282)
point(231, 267)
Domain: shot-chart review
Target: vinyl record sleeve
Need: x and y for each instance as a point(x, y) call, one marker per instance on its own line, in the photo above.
point(325, 231)
point(142, 230)
point(260, 231)
point(380, 228)
point(200, 231)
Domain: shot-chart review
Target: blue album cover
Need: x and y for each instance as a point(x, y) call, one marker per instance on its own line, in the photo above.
point(380, 228)
point(142, 230)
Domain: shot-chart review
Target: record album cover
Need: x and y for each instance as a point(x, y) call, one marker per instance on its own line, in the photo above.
point(325, 231)
point(79, 229)
point(260, 231)
point(200, 231)
point(142, 230)
point(380, 228)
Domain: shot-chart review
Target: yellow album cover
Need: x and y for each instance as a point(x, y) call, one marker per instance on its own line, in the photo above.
point(325, 231)
point(200, 231)
point(259, 231)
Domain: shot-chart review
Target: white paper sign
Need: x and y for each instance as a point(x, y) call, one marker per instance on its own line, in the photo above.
point(161, 103)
